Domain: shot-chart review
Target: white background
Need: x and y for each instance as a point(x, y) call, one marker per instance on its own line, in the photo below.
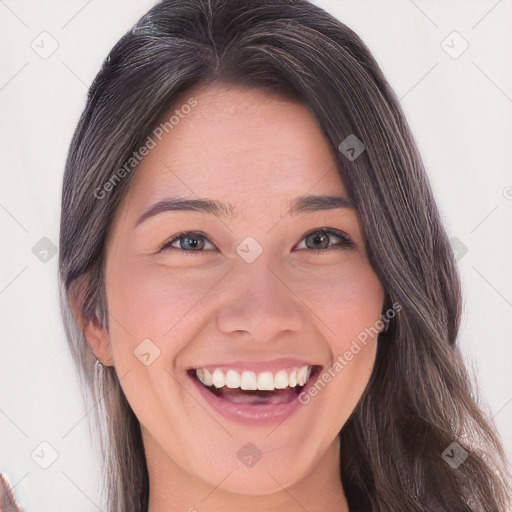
point(460, 111)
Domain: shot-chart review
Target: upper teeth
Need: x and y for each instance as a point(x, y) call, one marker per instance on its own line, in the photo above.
point(248, 380)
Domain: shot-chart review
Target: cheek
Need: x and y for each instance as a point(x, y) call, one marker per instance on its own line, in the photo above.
point(346, 300)
point(158, 303)
point(349, 302)
point(164, 306)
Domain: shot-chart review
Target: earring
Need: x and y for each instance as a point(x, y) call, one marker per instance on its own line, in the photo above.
point(98, 366)
point(100, 376)
point(386, 321)
point(99, 369)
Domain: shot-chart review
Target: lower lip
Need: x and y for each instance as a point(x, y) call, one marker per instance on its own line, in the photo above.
point(245, 413)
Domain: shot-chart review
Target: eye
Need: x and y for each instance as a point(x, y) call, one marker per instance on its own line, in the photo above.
point(320, 238)
point(189, 241)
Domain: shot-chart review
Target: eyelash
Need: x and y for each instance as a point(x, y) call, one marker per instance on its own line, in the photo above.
point(346, 241)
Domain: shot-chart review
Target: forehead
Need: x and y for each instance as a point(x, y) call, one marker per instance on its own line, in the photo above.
point(239, 145)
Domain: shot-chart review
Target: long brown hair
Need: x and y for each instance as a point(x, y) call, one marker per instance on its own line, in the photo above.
point(419, 399)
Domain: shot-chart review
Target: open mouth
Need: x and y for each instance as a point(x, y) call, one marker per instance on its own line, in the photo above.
point(265, 388)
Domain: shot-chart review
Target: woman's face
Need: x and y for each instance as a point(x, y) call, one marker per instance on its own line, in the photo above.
point(256, 286)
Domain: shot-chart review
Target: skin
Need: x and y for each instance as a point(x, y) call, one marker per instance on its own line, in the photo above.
point(256, 151)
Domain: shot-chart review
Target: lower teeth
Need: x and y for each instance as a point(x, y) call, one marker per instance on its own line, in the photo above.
point(256, 397)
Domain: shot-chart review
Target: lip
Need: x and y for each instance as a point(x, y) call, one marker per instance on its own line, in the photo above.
point(252, 414)
point(258, 366)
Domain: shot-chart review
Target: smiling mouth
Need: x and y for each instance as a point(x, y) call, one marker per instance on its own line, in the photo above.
point(265, 388)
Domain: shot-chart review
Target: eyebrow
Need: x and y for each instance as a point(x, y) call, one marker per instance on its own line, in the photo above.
point(300, 205)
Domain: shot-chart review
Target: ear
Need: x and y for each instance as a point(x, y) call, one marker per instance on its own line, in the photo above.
point(87, 318)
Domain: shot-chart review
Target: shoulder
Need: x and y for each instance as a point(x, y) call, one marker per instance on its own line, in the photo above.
point(8, 501)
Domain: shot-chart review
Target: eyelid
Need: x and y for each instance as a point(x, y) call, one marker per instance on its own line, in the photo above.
point(199, 234)
point(346, 241)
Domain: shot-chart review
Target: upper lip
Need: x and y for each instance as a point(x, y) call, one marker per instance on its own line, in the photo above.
point(258, 366)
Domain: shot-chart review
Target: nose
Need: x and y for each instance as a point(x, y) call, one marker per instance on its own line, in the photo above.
point(261, 302)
